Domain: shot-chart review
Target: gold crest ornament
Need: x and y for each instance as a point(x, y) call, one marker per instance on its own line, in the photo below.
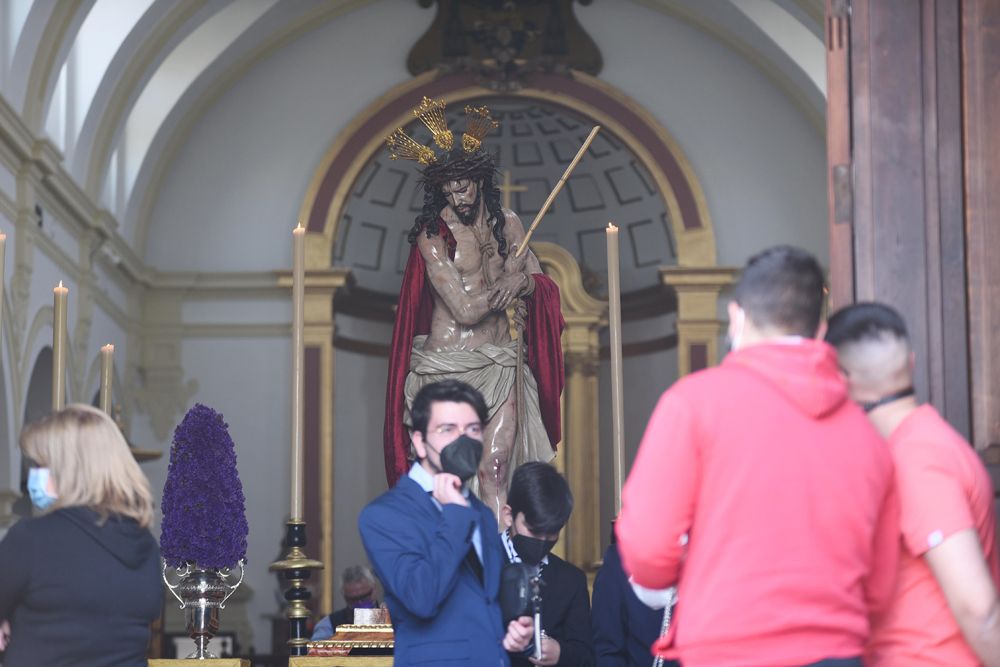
point(431, 113)
point(479, 123)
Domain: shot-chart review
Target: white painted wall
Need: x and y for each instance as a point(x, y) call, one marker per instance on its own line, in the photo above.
point(760, 163)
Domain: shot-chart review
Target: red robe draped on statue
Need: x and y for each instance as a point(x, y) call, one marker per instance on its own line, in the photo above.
point(543, 347)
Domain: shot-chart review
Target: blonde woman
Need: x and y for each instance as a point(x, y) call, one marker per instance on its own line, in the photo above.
point(79, 582)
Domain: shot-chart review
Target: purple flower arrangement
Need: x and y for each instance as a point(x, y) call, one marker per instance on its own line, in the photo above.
point(204, 511)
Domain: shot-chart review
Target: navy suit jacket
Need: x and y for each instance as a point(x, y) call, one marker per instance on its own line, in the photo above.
point(441, 612)
point(624, 628)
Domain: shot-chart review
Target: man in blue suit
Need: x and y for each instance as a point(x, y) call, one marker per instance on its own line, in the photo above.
point(436, 547)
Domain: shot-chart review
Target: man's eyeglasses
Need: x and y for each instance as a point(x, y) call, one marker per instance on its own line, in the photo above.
point(452, 430)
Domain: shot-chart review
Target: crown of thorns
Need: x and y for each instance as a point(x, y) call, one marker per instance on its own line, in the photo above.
point(479, 123)
point(458, 165)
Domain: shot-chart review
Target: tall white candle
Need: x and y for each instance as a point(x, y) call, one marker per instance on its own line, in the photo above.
point(60, 297)
point(617, 397)
point(107, 366)
point(298, 352)
point(3, 256)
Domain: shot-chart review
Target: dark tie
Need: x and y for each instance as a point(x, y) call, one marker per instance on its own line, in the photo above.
point(472, 560)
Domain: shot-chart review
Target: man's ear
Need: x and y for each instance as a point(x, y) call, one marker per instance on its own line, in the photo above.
point(506, 516)
point(736, 319)
point(417, 438)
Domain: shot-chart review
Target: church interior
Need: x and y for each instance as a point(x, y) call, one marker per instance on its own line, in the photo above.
point(155, 156)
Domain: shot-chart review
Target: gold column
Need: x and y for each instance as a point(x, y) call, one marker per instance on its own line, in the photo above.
point(321, 285)
point(698, 323)
point(578, 456)
point(581, 439)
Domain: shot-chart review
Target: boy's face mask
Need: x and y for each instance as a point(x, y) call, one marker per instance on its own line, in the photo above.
point(38, 482)
point(531, 550)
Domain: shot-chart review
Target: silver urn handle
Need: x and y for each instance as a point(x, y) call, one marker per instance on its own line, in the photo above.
point(173, 587)
point(232, 588)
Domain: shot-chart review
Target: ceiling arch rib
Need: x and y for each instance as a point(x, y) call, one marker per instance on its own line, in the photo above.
point(27, 38)
point(175, 74)
point(165, 25)
point(163, 22)
point(100, 36)
point(274, 30)
point(13, 14)
point(725, 22)
point(48, 34)
point(791, 36)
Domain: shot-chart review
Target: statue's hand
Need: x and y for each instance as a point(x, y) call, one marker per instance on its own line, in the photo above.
point(513, 263)
point(506, 289)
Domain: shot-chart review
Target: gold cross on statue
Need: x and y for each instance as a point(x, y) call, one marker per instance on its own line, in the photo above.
point(509, 187)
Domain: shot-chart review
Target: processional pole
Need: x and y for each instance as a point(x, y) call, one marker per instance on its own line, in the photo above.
point(559, 186)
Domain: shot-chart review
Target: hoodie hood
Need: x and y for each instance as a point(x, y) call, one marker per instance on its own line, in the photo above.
point(804, 370)
point(120, 536)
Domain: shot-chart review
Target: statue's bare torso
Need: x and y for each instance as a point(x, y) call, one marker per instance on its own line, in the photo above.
point(470, 301)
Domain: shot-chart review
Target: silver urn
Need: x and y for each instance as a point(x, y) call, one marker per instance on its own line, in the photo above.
point(202, 593)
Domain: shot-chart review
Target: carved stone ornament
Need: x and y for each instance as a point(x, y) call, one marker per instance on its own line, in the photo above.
point(504, 42)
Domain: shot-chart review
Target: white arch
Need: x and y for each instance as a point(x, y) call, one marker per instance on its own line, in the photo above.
point(800, 44)
point(49, 32)
point(178, 71)
point(100, 36)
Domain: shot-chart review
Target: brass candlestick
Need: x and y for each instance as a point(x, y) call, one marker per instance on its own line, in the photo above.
point(296, 568)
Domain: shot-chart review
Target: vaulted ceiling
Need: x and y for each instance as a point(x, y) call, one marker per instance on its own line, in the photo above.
point(113, 84)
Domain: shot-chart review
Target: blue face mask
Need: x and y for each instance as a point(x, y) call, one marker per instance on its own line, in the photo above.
point(38, 480)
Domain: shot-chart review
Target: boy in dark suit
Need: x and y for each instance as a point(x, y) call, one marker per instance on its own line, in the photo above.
point(538, 506)
point(435, 546)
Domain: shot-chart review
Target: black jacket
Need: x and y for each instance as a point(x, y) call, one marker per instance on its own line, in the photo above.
point(77, 592)
point(565, 614)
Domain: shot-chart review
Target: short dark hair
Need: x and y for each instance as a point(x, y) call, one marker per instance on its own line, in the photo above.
point(783, 287)
point(542, 494)
point(453, 391)
point(864, 321)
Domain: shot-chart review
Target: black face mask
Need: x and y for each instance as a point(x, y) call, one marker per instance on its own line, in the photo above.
point(531, 550)
point(461, 456)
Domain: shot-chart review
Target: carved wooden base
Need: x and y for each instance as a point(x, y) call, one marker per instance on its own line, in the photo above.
point(185, 662)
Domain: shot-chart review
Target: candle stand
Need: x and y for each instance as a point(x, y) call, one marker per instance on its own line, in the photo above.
point(296, 568)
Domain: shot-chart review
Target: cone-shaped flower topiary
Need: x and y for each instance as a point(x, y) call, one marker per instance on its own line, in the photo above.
point(204, 511)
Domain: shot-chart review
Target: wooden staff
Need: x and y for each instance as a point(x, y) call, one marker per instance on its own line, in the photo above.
point(555, 190)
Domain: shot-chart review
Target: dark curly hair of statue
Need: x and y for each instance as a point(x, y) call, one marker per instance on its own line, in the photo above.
point(478, 167)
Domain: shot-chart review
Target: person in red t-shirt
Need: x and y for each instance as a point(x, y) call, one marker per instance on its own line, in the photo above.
point(784, 489)
point(945, 611)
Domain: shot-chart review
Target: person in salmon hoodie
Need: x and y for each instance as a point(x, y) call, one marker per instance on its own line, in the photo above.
point(762, 492)
point(946, 612)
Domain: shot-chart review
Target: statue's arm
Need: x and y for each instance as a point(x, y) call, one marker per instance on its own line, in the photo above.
point(465, 307)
